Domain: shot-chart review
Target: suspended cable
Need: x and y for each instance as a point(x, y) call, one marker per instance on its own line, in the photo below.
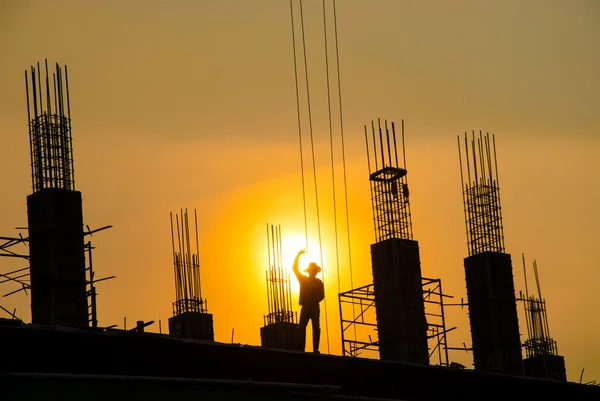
point(299, 124)
point(335, 225)
point(339, 82)
point(314, 165)
point(331, 147)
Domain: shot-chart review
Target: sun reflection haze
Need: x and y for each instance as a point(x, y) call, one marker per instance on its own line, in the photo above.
point(293, 242)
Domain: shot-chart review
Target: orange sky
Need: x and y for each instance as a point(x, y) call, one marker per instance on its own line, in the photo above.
point(193, 106)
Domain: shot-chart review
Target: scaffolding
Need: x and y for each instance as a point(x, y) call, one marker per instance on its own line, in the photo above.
point(364, 324)
point(538, 340)
point(21, 276)
point(436, 320)
point(92, 281)
point(481, 196)
point(389, 186)
point(50, 139)
point(7, 243)
point(188, 296)
point(279, 292)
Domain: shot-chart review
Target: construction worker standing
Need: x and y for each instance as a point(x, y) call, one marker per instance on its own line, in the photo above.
point(312, 292)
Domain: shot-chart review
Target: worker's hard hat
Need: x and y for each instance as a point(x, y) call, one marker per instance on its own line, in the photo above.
point(312, 266)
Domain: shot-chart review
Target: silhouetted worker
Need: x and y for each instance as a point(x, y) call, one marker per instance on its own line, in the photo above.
point(312, 292)
point(405, 192)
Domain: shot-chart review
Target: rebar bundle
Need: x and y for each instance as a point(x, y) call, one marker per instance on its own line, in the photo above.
point(186, 266)
point(389, 186)
point(481, 195)
point(49, 118)
point(279, 293)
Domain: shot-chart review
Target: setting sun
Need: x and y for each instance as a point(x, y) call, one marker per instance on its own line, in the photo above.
point(245, 149)
point(291, 244)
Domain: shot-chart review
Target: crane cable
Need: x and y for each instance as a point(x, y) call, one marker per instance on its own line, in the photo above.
point(335, 224)
point(299, 124)
point(339, 82)
point(314, 167)
point(313, 160)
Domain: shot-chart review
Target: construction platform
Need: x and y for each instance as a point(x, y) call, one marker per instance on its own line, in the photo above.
point(65, 363)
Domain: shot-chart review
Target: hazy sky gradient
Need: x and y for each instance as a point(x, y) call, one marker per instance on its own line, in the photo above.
point(192, 104)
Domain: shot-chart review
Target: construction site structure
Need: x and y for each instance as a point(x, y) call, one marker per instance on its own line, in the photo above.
point(190, 314)
point(58, 257)
point(92, 280)
point(541, 351)
point(488, 269)
point(397, 289)
point(359, 321)
point(280, 328)
point(396, 264)
point(55, 216)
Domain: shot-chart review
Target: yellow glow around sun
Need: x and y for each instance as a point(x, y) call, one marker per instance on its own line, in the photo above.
point(291, 244)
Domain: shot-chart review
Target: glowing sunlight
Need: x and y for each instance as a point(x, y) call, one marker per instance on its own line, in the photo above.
point(291, 244)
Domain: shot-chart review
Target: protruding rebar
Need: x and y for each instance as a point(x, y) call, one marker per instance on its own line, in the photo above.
point(481, 195)
point(389, 185)
point(50, 137)
point(538, 340)
point(186, 263)
point(279, 295)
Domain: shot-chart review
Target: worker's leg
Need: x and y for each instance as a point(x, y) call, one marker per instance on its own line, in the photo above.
point(304, 317)
point(316, 327)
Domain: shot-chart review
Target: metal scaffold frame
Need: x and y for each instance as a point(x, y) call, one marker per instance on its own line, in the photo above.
point(481, 195)
point(279, 292)
point(363, 299)
point(436, 319)
point(21, 276)
point(92, 281)
point(389, 186)
point(8, 242)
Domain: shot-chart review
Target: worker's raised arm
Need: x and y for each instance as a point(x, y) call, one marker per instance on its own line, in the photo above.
point(295, 266)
